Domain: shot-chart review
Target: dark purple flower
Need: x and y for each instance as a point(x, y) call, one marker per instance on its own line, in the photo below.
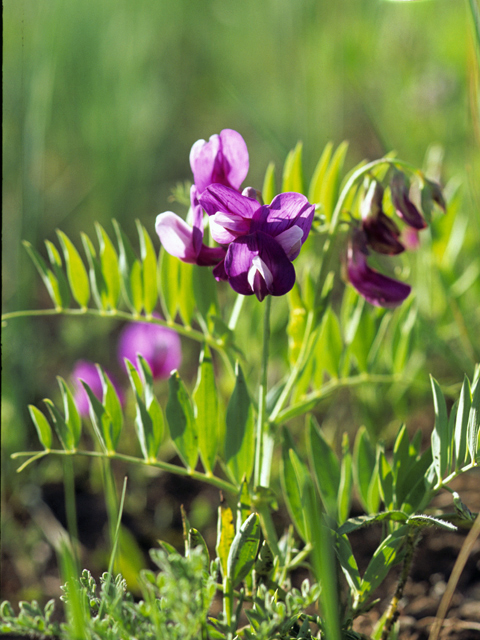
point(376, 288)
point(381, 231)
point(404, 207)
point(222, 160)
point(160, 347)
point(88, 372)
point(263, 240)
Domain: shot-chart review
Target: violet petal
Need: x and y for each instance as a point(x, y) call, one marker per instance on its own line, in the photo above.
point(256, 263)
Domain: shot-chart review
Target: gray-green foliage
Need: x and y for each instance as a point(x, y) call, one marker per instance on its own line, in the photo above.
point(174, 606)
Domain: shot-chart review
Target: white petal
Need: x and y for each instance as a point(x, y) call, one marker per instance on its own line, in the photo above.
point(259, 265)
point(291, 241)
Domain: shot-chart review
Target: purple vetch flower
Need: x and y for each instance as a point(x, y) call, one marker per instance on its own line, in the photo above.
point(381, 231)
point(160, 347)
point(376, 288)
point(184, 241)
point(262, 240)
point(88, 372)
point(404, 207)
point(222, 160)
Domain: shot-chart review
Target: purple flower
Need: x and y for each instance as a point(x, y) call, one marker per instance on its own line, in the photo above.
point(381, 231)
point(262, 240)
point(404, 207)
point(376, 288)
point(186, 242)
point(223, 160)
point(159, 346)
point(88, 372)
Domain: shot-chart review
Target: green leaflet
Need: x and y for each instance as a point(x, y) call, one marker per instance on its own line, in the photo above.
point(244, 549)
point(72, 417)
point(325, 466)
point(269, 190)
point(440, 438)
point(169, 284)
point(76, 272)
point(186, 301)
point(291, 465)
point(56, 262)
point(473, 426)
point(149, 269)
point(114, 411)
point(101, 421)
point(64, 433)
point(331, 183)
point(181, 422)
point(225, 535)
point(387, 554)
point(293, 171)
point(156, 424)
point(386, 479)
point(344, 500)
point(97, 281)
point(206, 410)
point(130, 270)
point(239, 436)
point(363, 466)
point(42, 426)
point(461, 424)
point(205, 291)
point(110, 267)
point(329, 347)
point(316, 183)
point(347, 562)
point(49, 279)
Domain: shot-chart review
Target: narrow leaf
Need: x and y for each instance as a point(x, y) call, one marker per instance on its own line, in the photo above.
point(363, 464)
point(181, 421)
point(63, 431)
point(244, 550)
point(149, 269)
point(352, 524)
point(169, 284)
point(56, 262)
point(325, 466)
point(72, 417)
point(113, 408)
point(461, 423)
point(473, 426)
point(348, 563)
point(386, 555)
point(42, 426)
point(130, 269)
point(49, 279)
point(385, 476)
point(290, 485)
point(331, 184)
point(186, 301)
point(440, 440)
point(346, 480)
point(239, 437)
point(329, 346)
point(225, 534)
point(110, 267)
point(97, 282)
point(269, 190)
point(76, 272)
point(421, 520)
point(316, 183)
point(293, 171)
point(206, 410)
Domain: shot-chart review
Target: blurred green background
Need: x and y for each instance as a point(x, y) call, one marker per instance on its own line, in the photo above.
point(104, 98)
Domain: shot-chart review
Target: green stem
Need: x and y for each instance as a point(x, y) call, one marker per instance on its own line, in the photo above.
point(292, 379)
point(312, 399)
point(263, 451)
point(224, 485)
point(188, 332)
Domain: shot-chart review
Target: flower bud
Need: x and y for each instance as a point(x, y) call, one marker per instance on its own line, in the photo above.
point(381, 231)
point(404, 207)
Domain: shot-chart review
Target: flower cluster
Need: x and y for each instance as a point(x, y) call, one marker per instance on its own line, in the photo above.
point(257, 242)
point(159, 346)
point(381, 234)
